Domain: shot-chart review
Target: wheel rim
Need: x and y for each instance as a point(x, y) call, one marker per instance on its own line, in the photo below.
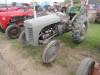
point(14, 32)
point(50, 52)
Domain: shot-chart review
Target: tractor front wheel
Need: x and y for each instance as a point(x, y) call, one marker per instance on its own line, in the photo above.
point(12, 31)
point(50, 52)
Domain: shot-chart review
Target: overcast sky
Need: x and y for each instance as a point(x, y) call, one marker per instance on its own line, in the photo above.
point(28, 1)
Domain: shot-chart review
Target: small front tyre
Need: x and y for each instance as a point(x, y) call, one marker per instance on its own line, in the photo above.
point(50, 52)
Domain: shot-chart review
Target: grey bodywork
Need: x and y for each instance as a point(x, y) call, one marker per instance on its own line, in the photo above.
point(34, 26)
point(56, 23)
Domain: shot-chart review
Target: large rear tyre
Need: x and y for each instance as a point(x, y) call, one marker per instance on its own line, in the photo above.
point(86, 67)
point(12, 31)
point(79, 32)
point(50, 52)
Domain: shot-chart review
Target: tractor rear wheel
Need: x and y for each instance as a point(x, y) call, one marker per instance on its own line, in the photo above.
point(50, 52)
point(79, 31)
point(12, 31)
point(86, 67)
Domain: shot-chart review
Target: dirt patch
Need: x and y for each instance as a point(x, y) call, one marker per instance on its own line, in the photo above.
point(71, 57)
point(12, 62)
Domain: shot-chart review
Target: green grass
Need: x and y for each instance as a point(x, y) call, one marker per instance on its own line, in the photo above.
point(92, 40)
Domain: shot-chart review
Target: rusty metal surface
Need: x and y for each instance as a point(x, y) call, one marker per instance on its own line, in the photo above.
point(96, 70)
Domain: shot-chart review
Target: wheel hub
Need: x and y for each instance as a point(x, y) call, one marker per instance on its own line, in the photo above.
point(14, 31)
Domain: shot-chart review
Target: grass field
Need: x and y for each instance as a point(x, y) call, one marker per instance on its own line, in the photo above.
point(92, 40)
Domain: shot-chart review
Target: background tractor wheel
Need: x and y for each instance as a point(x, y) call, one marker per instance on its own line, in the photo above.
point(86, 67)
point(50, 52)
point(22, 39)
point(1, 28)
point(12, 31)
point(79, 32)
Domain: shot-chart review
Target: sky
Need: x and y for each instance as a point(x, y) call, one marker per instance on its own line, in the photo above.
point(28, 1)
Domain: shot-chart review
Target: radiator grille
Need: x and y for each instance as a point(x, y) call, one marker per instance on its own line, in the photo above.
point(30, 34)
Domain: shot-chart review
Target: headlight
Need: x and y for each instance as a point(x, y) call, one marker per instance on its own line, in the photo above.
point(4, 18)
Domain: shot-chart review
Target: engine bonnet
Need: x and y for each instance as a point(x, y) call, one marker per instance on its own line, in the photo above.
point(44, 20)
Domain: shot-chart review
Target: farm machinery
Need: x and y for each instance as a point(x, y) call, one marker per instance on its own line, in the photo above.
point(44, 30)
point(9, 9)
point(88, 67)
point(11, 21)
